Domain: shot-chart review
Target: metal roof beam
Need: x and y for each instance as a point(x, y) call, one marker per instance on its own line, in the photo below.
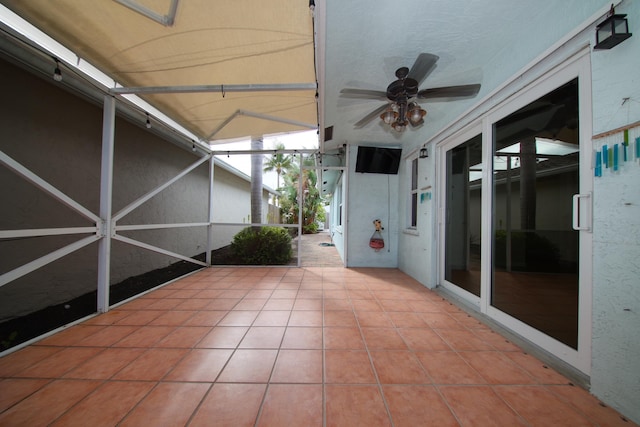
point(285, 87)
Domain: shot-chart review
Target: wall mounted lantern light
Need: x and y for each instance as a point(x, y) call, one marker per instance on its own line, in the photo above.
point(423, 153)
point(612, 31)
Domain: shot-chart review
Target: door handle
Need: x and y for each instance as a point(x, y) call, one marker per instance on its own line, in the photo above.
point(582, 212)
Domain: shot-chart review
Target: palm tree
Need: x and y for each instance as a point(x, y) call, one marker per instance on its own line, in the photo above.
point(256, 182)
point(278, 162)
point(312, 201)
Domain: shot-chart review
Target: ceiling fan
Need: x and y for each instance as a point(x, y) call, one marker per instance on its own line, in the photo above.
point(401, 95)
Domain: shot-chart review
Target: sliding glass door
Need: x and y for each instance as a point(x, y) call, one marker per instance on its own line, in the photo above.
point(514, 208)
point(535, 249)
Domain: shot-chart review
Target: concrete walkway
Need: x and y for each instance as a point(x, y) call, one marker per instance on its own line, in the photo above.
point(316, 253)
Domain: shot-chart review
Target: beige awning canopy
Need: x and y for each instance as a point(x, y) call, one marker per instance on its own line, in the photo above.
point(221, 69)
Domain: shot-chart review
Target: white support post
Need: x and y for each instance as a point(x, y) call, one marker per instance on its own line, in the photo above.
point(300, 210)
point(210, 212)
point(106, 192)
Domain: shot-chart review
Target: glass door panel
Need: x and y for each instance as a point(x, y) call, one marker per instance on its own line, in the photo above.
point(535, 249)
point(463, 219)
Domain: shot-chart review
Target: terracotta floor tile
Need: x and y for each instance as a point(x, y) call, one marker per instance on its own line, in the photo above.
point(250, 366)
point(184, 337)
point(71, 336)
point(422, 306)
point(306, 318)
point(348, 367)
point(308, 304)
point(139, 318)
point(539, 407)
point(374, 319)
point(59, 363)
point(46, 405)
point(108, 318)
point(343, 339)
point(337, 304)
point(479, 406)
point(205, 318)
point(223, 304)
point(360, 305)
point(463, 340)
point(209, 294)
point(173, 318)
point(232, 293)
point(589, 405)
point(417, 406)
point(496, 340)
point(194, 304)
point(292, 405)
point(20, 360)
point(398, 367)
point(446, 367)
point(167, 404)
point(152, 365)
point(402, 319)
point(250, 304)
point(105, 364)
point(395, 305)
point(145, 336)
point(336, 294)
point(259, 294)
point(230, 405)
point(272, 318)
point(421, 339)
point(13, 390)
point(223, 337)
point(239, 318)
point(298, 366)
point(355, 405)
point(263, 337)
point(200, 365)
point(299, 337)
point(383, 339)
point(496, 368)
point(107, 405)
point(537, 369)
point(345, 319)
point(279, 304)
point(108, 336)
point(284, 293)
point(164, 304)
point(355, 294)
point(309, 294)
point(441, 321)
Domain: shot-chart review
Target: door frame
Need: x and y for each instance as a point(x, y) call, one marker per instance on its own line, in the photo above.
point(576, 66)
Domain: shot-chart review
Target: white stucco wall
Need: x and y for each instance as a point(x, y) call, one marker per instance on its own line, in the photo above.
point(417, 247)
point(371, 196)
point(615, 374)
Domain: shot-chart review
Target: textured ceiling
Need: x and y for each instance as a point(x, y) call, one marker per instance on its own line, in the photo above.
point(477, 41)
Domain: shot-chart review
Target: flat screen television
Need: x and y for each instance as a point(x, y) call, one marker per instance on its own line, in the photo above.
point(378, 160)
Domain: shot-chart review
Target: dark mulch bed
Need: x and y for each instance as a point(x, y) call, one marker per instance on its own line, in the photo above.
point(21, 329)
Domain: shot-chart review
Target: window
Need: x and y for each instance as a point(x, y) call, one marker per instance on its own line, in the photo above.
point(413, 212)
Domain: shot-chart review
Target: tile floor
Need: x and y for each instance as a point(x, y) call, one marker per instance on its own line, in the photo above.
point(288, 347)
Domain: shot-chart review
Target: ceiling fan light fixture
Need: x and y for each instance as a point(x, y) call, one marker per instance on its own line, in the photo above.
point(415, 114)
point(399, 126)
point(389, 115)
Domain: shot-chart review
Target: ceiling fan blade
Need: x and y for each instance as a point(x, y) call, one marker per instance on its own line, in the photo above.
point(364, 94)
point(424, 65)
point(449, 91)
point(366, 119)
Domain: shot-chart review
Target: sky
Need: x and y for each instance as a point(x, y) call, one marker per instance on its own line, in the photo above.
point(297, 140)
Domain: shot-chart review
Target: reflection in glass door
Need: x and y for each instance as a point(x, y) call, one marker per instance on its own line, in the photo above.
point(463, 219)
point(535, 249)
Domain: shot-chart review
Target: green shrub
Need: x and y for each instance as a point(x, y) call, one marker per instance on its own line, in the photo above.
point(263, 246)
